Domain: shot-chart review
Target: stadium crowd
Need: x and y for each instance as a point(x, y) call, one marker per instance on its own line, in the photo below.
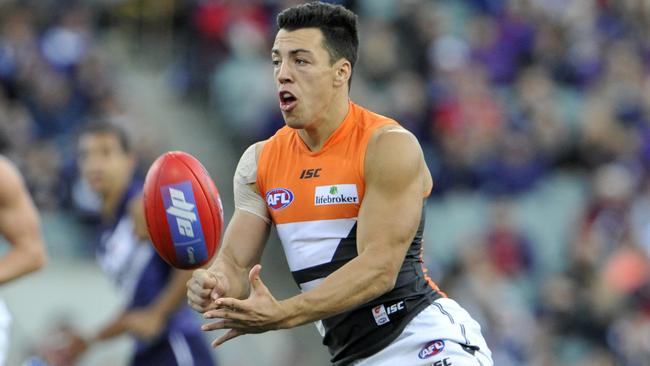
point(503, 95)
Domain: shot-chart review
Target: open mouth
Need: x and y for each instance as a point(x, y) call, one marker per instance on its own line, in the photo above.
point(287, 101)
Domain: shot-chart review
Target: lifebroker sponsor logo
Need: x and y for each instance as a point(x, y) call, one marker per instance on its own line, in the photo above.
point(279, 198)
point(337, 194)
point(431, 349)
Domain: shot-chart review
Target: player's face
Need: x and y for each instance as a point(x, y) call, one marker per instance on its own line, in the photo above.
point(103, 162)
point(303, 76)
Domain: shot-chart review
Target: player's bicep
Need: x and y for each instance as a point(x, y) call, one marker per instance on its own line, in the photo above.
point(392, 204)
point(244, 239)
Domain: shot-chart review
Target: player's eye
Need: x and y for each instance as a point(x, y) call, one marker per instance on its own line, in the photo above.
point(300, 61)
point(275, 62)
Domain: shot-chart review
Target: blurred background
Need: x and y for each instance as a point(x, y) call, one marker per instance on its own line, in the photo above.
point(534, 116)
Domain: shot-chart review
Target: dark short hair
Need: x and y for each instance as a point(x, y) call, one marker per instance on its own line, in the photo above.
point(101, 126)
point(338, 25)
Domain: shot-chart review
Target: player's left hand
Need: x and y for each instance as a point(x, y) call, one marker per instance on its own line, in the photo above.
point(145, 324)
point(259, 313)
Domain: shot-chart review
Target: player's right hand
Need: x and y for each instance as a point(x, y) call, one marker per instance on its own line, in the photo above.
point(204, 288)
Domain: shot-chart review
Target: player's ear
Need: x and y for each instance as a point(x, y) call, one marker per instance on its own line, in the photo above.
point(343, 70)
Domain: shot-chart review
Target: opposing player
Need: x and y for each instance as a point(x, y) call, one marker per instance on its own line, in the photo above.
point(20, 226)
point(345, 188)
point(164, 327)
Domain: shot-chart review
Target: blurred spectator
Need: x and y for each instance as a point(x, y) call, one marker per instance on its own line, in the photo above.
point(510, 251)
point(51, 80)
point(65, 43)
point(606, 217)
point(496, 303)
point(242, 87)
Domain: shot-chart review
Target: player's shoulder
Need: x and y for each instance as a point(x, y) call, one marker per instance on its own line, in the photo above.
point(255, 149)
point(392, 136)
point(368, 119)
point(393, 148)
point(382, 129)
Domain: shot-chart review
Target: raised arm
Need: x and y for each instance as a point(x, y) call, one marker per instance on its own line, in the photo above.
point(242, 245)
point(20, 225)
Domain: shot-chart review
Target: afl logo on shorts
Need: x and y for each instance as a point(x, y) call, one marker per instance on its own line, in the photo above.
point(431, 349)
point(279, 198)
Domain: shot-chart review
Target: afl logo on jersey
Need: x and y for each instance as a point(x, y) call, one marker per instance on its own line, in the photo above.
point(279, 198)
point(431, 349)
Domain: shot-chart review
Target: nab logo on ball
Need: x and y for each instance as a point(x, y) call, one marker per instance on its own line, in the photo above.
point(279, 198)
point(432, 348)
point(184, 223)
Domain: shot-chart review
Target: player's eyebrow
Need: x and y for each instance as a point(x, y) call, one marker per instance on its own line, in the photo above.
point(275, 51)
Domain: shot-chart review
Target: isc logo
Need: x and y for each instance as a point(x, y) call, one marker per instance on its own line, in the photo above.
point(310, 173)
point(279, 198)
point(395, 307)
point(183, 211)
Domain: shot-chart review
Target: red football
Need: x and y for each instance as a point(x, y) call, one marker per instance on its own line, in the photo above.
point(183, 210)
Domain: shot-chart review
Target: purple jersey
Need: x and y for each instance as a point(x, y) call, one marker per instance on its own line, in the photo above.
point(142, 275)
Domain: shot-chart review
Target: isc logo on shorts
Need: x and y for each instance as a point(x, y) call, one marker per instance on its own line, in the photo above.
point(431, 349)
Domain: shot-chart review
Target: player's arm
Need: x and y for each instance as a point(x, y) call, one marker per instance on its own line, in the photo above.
point(242, 245)
point(20, 225)
point(76, 344)
point(241, 250)
point(396, 178)
point(147, 322)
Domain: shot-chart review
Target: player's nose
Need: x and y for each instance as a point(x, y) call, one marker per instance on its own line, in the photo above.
point(283, 73)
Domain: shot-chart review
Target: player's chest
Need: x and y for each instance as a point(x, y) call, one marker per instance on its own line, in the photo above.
point(314, 189)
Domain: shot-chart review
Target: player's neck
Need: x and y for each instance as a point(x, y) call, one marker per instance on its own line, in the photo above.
point(316, 136)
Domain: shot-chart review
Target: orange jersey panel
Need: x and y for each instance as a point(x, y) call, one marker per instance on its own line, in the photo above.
point(301, 185)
